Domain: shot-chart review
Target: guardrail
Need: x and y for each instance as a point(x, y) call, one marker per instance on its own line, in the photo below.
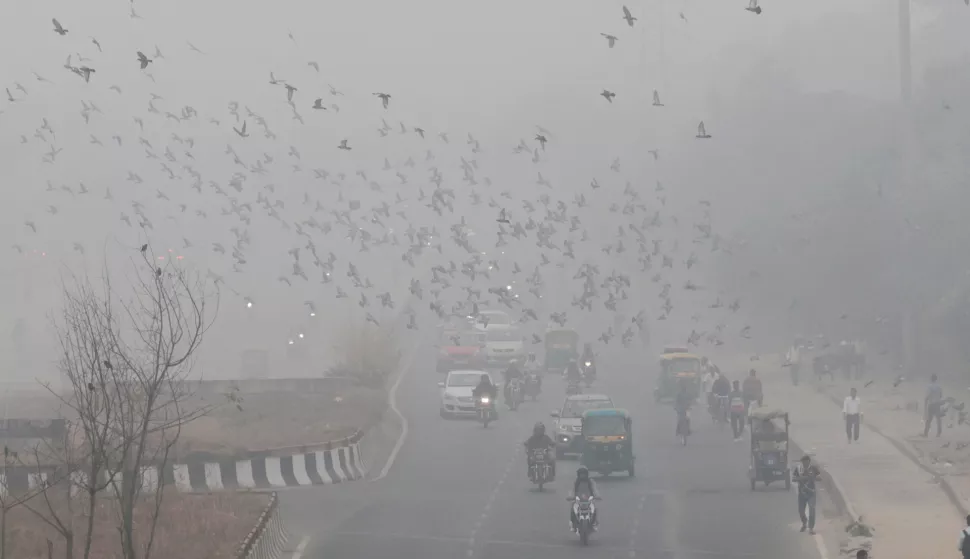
point(268, 538)
point(311, 385)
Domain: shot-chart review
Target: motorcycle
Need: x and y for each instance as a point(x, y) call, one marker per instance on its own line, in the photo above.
point(532, 388)
point(486, 410)
point(583, 509)
point(514, 394)
point(589, 373)
point(540, 471)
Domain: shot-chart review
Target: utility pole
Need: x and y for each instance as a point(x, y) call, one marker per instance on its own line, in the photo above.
point(908, 325)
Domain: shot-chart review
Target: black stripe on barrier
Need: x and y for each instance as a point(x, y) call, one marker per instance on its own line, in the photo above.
point(259, 473)
point(310, 459)
point(197, 476)
point(227, 469)
point(342, 457)
point(167, 475)
point(328, 463)
point(286, 471)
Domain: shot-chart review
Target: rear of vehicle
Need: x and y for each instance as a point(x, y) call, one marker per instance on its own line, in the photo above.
point(503, 345)
point(676, 368)
point(456, 396)
point(569, 425)
point(462, 350)
point(561, 346)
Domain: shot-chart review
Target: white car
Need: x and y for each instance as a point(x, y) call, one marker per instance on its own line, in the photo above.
point(504, 344)
point(456, 393)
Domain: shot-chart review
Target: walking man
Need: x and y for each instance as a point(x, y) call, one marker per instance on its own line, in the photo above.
point(852, 413)
point(751, 388)
point(964, 544)
point(805, 477)
point(933, 404)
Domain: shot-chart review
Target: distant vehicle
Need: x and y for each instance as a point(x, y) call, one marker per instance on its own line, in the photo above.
point(569, 421)
point(674, 349)
point(494, 319)
point(462, 350)
point(456, 393)
point(503, 344)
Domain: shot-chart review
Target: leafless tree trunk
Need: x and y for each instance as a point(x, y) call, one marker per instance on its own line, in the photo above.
point(126, 357)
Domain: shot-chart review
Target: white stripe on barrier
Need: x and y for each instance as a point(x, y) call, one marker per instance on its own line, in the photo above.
point(274, 473)
point(244, 474)
point(335, 460)
point(299, 470)
point(213, 476)
point(149, 479)
point(361, 465)
point(322, 467)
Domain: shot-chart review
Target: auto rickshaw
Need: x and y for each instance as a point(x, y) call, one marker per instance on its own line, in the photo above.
point(562, 344)
point(676, 366)
point(608, 441)
point(769, 447)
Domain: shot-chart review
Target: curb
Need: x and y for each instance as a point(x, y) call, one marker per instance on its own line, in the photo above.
point(909, 453)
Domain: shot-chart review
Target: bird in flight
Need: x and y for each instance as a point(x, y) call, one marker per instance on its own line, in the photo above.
point(628, 16)
point(656, 99)
point(611, 39)
point(57, 27)
point(289, 91)
point(343, 145)
point(242, 133)
point(318, 104)
point(385, 98)
point(143, 60)
point(97, 44)
point(193, 47)
point(702, 131)
point(754, 7)
point(313, 65)
point(608, 95)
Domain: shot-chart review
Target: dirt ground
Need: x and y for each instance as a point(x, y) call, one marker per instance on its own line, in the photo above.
point(269, 421)
point(191, 527)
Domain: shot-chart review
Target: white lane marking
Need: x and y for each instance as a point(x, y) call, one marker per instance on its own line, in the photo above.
point(298, 553)
point(820, 545)
point(470, 552)
point(392, 403)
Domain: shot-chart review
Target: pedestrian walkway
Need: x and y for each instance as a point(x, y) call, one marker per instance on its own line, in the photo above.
point(910, 515)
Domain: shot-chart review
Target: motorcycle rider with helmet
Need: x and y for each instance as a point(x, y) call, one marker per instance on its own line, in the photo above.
point(540, 440)
point(584, 485)
point(484, 387)
point(589, 361)
point(531, 367)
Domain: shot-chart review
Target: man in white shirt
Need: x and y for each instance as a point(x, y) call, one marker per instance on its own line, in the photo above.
point(707, 385)
point(852, 412)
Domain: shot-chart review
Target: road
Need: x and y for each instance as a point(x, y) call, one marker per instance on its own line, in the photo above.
point(457, 490)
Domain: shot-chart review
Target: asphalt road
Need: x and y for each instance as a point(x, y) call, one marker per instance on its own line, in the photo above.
point(458, 490)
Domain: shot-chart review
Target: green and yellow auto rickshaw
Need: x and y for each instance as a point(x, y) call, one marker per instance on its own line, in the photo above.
point(673, 368)
point(562, 344)
point(608, 441)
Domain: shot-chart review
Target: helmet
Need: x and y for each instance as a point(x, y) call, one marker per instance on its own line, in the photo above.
point(485, 378)
point(539, 429)
point(582, 472)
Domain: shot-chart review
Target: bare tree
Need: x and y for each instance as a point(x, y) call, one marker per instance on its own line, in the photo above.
point(126, 357)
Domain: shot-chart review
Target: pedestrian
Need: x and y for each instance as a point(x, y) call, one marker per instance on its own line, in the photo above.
point(852, 414)
point(736, 405)
point(933, 404)
point(964, 545)
point(752, 390)
point(805, 477)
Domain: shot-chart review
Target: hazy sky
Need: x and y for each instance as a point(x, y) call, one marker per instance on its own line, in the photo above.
point(493, 69)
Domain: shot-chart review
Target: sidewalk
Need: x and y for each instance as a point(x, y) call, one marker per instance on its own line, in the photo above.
point(910, 515)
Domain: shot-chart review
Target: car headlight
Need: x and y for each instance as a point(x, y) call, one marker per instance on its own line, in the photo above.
point(588, 363)
point(564, 428)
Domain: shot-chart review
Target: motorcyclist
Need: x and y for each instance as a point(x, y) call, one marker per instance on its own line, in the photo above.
point(589, 360)
point(512, 372)
point(484, 387)
point(531, 367)
point(682, 402)
point(584, 485)
point(721, 388)
point(573, 373)
point(540, 440)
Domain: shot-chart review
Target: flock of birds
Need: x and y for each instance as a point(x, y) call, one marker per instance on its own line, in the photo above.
point(346, 227)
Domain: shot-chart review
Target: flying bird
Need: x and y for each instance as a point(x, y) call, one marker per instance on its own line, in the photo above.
point(628, 16)
point(57, 27)
point(289, 91)
point(754, 7)
point(343, 145)
point(318, 104)
point(702, 131)
point(143, 60)
point(608, 95)
point(385, 98)
point(656, 99)
point(313, 65)
point(97, 44)
point(242, 133)
point(610, 39)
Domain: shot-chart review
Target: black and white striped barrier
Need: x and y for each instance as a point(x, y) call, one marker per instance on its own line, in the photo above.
point(338, 462)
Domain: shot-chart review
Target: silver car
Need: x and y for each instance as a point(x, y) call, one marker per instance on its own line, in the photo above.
point(569, 421)
point(456, 393)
